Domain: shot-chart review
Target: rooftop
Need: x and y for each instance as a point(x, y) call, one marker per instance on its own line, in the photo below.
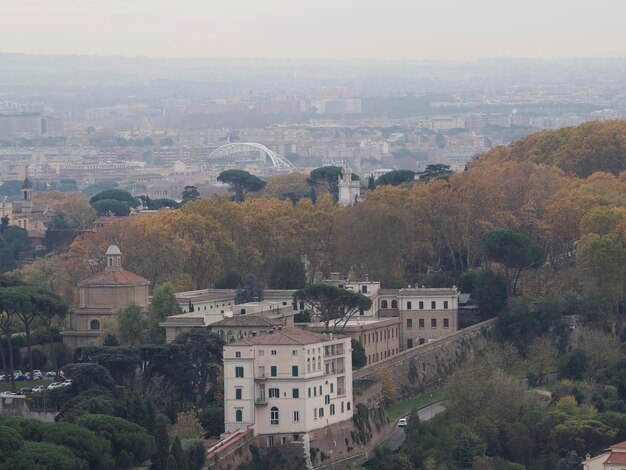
point(115, 278)
point(247, 320)
point(286, 336)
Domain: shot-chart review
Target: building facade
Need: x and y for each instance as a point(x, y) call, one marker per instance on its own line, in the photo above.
point(101, 298)
point(425, 313)
point(287, 382)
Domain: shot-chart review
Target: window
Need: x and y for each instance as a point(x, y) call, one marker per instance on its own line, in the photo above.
point(321, 413)
point(262, 372)
point(384, 304)
point(238, 393)
point(446, 323)
point(274, 416)
point(348, 406)
point(314, 391)
point(296, 437)
point(332, 410)
point(274, 371)
point(294, 352)
point(445, 304)
point(270, 441)
point(421, 305)
point(296, 418)
point(320, 390)
point(309, 392)
point(243, 311)
point(239, 416)
point(94, 325)
point(261, 352)
point(314, 413)
point(420, 322)
point(364, 289)
point(408, 305)
point(273, 353)
point(433, 323)
point(294, 371)
point(237, 353)
point(274, 393)
point(295, 393)
point(361, 311)
point(327, 400)
point(394, 304)
point(239, 372)
point(409, 343)
point(433, 304)
point(409, 323)
point(332, 387)
point(342, 407)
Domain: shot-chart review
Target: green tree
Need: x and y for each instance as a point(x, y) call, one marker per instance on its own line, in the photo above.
point(287, 272)
point(131, 325)
point(241, 183)
point(204, 350)
point(117, 195)
point(514, 251)
point(44, 455)
point(130, 443)
point(396, 178)
point(250, 291)
point(328, 178)
point(10, 442)
point(359, 358)
point(159, 460)
point(111, 206)
point(84, 444)
point(177, 452)
point(573, 365)
point(332, 304)
point(190, 193)
point(436, 171)
point(571, 461)
point(162, 305)
point(231, 280)
point(212, 420)
point(490, 293)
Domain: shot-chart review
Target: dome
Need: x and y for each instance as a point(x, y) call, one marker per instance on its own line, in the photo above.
point(113, 251)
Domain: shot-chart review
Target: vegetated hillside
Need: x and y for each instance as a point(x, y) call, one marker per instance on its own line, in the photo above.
point(581, 150)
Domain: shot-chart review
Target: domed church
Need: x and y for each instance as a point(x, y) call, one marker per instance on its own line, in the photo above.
point(101, 298)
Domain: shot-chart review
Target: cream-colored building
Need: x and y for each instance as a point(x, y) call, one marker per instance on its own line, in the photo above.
point(425, 313)
point(613, 459)
point(380, 337)
point(32, 217)
point(287, 382)
point(101, 298)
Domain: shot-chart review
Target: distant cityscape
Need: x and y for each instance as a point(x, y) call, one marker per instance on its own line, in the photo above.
point(165, 136)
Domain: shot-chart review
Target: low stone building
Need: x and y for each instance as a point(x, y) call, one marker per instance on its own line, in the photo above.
point(101, 298)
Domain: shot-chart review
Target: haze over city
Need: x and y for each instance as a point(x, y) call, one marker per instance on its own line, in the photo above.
point(323, 29)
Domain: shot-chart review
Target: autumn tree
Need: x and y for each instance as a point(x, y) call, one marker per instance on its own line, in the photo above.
point(74, 207)
point(241, 183)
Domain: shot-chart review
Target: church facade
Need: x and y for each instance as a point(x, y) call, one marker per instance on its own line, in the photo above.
point(101, 298)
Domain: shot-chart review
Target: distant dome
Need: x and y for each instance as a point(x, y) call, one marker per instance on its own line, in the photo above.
point(113, 250)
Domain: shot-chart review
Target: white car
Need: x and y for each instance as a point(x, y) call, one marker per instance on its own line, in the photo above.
point(402, 422)
point(38, 389)
point(54, 385)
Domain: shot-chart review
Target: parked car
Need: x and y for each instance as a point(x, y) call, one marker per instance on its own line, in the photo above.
point(25, 390)
point(8, 394)
point(402, 423)
point(67, 383)
point(38, 389)
point(55, 385)
point(20, 377)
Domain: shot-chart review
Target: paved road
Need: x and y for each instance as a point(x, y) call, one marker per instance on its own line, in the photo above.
point(397, 437)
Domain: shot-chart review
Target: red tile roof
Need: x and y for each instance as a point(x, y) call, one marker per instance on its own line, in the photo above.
point(616, 458)
point(619, 445)
point(118, 277)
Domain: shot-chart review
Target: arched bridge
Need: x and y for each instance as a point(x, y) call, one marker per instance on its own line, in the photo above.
point(278, 162)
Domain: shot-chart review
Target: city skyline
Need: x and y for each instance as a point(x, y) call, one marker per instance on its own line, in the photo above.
point(396, 29)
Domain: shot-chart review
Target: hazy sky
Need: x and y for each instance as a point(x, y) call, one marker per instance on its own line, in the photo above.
point(394, 29)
